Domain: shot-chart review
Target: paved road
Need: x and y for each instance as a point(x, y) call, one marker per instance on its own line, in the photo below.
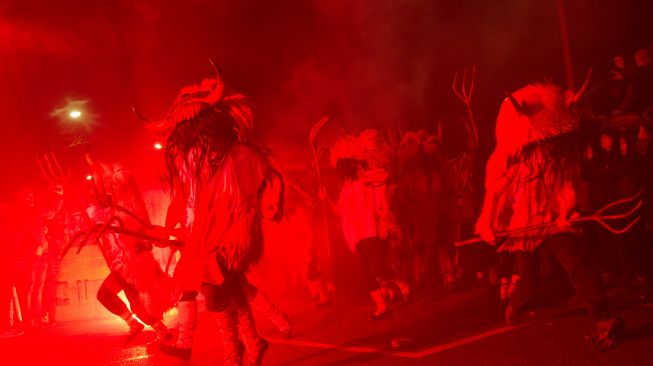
point(455, 329)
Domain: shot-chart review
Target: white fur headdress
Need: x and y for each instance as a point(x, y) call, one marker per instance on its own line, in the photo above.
point(367, 146)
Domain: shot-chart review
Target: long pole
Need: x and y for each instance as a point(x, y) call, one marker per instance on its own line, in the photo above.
point(16, 304)
point(566, 48)
point(316, 162)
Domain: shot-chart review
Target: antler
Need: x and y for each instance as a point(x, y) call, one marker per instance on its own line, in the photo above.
point(99, 230)
point(139, 219)
point(316, 128)
point(85, 235)
point(607, 221)
point(464, 92)
point(51, 169)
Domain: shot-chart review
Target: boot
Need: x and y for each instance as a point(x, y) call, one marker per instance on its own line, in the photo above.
point(606, 331)
point(233, 348)
point(404, 289)
point(186, 323)
point(320, 291)
point(512, 315)
point(255, 345)
point(163, 335)
point(513, 284)
point(504, 291)
point(449, 282)
point(263, 304)
point(380, 297)
point(282, 322)
point(135, 327)
point(397, 291)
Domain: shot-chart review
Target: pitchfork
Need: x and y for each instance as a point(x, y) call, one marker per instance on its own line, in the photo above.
point(99, 230)
point(51, 169)
point(601, 216)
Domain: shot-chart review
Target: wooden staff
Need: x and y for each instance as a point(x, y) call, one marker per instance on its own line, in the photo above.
point(322, 190)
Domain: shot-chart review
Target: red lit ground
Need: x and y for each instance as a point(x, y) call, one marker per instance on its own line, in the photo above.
point(457, 329)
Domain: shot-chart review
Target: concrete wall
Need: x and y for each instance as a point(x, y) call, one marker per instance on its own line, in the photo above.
point(82, 274)
point(79, 280)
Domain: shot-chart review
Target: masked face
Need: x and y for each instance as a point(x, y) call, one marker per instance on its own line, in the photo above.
point(642, 58)
point(623, 146)
point(606, 142)
point(619, 62)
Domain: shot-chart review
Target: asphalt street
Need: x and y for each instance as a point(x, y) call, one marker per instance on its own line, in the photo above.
point(464, 328)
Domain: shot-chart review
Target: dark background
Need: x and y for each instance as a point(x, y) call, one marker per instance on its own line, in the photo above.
point(368, 63)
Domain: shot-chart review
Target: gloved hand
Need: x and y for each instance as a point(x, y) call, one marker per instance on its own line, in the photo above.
point(563, 223)
point(487, 234)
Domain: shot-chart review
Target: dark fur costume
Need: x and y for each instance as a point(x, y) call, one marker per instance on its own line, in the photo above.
point(116, 187)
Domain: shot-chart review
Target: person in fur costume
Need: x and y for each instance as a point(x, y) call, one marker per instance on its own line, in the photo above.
point(367, 222)
point(134, 270)
point(531, 179)
point(422, 180)
point(226, 187)
point(179, 221)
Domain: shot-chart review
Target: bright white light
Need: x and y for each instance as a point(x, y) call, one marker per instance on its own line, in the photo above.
point(89, 177)
point(75, 114)
point(158, 146)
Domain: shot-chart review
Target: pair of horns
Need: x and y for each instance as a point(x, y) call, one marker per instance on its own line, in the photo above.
point(521, 108)
point(212, 98)
point(524, 109)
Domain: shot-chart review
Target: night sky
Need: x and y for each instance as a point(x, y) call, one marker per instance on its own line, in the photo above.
point(365, 63)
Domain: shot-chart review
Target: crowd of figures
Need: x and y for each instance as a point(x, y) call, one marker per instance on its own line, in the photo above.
point(403, 200)
point(31, 263)
point(404, 209)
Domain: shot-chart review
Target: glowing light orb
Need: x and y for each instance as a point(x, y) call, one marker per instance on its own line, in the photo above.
point(75, 114)
point(158, 146)
point(89, 177)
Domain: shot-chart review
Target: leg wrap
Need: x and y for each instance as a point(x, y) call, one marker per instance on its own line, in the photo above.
point(381, 298)
point(232, 346)
point(262, 303)
point(186, 323)
point(256, 346)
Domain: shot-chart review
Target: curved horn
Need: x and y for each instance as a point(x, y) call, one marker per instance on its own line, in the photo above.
point(582, 89)
point(91, 162)
point(216, 94)
point(156, 127)
point(139, 115)
point(521, 108)
point(98, 176)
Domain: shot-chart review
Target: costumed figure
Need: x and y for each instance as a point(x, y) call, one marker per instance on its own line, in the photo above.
point(367, 222)
point(57, 236)
point(56, 231)
point(26, 258)
point(531, 179)
point(115, 198)
point(179, 221)
point(38, 262)
point(300, 213)
point(223, 187)
point(422, 199)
